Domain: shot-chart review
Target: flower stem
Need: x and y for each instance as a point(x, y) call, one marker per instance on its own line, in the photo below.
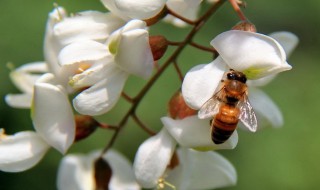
point(237, 9)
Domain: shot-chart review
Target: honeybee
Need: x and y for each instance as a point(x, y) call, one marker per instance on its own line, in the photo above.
point(227, 106)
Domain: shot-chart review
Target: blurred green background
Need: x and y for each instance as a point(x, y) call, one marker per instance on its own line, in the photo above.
point(285, 158)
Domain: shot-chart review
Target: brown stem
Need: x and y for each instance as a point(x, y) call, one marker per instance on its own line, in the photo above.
point(180, 17)
point(143, 126)
point(127, 97)
point(204, 48)
point(174, 43)
point(198, 24)
point(176, 66)
point(237, 9)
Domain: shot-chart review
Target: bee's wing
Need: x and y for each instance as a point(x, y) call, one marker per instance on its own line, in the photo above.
point(247, 115)
point(211, 106)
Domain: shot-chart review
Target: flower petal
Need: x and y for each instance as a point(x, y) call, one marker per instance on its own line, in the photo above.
point(95, 73)
point(140, 9)
point(82, 51)
point(256, 55)
point(52, 114)
point(219, 172)
point(21, 151)
point(25, 76)
point(76, 172)
point(122, 172)
point(201, 82)
point(187, 9)
point(87, 25)
point(102, 96)
point(111, 6)
point(19, 100)
point(193, 132)
point(265, 107)
point(261, 81)
point(287, 40)
point(152, 158)
point(132, 52)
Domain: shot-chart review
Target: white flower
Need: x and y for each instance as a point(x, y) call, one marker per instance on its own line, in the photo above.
point(139, 9)
point(52, 114)
point(152, 158)
point(62, 31)
point(185, 8)
point(263, 105)
point(21, 151)
point(76, 172)
point(193, 132)
point(154, 155)
point(256, 55)
point(24, 78)
point(126, 51)
point(202, 170)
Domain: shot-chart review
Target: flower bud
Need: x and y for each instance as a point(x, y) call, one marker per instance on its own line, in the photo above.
point(245, 26)
point(158, 17)
point(102, 174)
point(85, 126)
point(159, 45)
point(178, 109)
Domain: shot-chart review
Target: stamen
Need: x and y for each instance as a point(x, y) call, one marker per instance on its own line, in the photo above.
point(162, 184)
point(10, 66)
point(82, 67)
point(2, 134)
point(56, 6)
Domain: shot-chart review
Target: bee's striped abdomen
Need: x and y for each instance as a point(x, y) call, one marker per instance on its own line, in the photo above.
point(224, 123)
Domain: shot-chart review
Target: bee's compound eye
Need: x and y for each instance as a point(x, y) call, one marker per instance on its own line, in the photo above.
point(231, 76)
point(243, 79)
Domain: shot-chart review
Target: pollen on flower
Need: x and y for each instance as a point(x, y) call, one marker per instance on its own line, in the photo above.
point(82, 67)
point(253, 73)
point(2, 134)
point(60, 17)
point(162, 184)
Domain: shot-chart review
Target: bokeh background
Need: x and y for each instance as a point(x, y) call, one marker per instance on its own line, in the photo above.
point(284, 158)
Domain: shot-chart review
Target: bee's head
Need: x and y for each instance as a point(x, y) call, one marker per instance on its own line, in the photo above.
point(236, 75)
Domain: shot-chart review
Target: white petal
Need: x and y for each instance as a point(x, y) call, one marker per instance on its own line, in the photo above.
point(265, 107)
point(21, 151)
point(219, 172)
point(261, 81)
point(52, 114)
point(287, 40)
point(193, 132)
point(140, 9)
point(122, 172)
point(19, 100)
point(130, 46)
point(185, 8)
point(95, 73)
point(110, 5)
point(254, 54)
point(102, 96)
point(25, 76)
point(83, 51)
point(76, 173)
point(87, 25)
point(134, 55)
point(152, 158)
point(201, 82)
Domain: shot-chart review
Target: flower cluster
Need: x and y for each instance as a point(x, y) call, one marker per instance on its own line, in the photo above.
point(90, 55)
